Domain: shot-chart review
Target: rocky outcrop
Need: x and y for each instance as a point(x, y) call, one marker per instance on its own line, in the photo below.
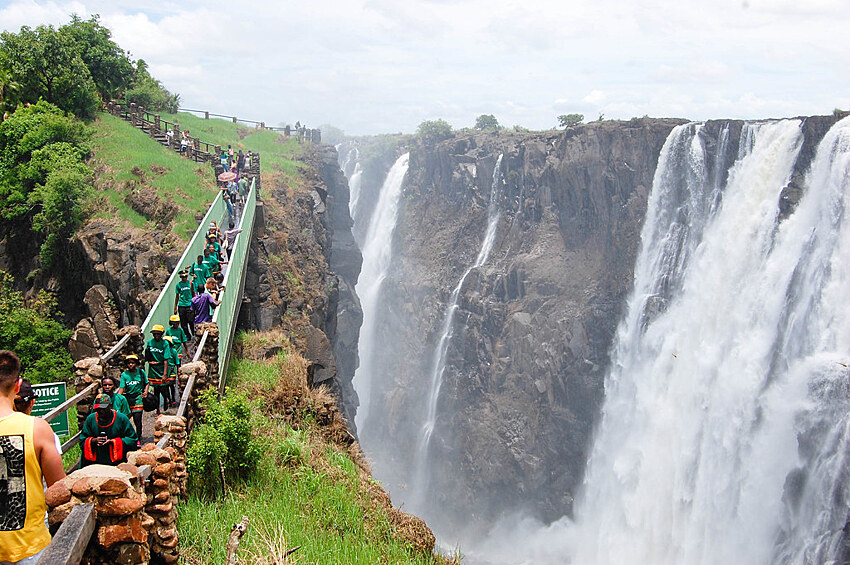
point(525, 366)
point(302, 271)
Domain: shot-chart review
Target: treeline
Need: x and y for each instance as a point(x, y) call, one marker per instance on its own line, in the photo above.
point(76, 67)
point(50, 80)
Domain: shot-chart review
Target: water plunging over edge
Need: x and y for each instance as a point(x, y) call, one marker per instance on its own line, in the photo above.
point(438, 366)
point(377, 256)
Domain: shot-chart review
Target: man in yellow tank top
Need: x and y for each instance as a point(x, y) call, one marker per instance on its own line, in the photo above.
point(27, 453)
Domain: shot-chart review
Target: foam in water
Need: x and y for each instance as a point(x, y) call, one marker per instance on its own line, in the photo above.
point(377, 255)
point(726, 425)
point(438, 365)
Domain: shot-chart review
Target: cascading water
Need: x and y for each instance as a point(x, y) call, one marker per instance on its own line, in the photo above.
point(377, 254)
point(730, 353)
point(438, 367)
point(354, 173)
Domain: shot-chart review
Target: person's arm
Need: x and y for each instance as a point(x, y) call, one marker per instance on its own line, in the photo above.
point(45, 449)
point(176, 298)
point(144, 382)
point(121, 385)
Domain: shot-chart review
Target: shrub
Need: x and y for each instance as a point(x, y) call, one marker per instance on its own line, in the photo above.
point(432, 131)
point(31, 328)
point(224, 448)
point(487, 122)
point(568, 120)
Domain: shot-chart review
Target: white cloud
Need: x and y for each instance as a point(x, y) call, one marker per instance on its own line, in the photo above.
point(380, 65)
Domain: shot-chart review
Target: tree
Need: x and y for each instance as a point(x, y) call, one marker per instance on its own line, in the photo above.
point(111, 69)
point(487, 122)
point(568, 120)
point(47, 65)
point(432, 131)
point(149, 92)
point(43, 177)
point(31, 328)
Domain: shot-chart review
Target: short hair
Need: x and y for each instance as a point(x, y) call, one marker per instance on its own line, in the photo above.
point(10, 370)
point(111, 378)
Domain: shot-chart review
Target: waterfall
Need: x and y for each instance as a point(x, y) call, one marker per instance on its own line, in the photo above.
point(353, 172)
point(725, 431)
point(438, 365)
point(377, 254)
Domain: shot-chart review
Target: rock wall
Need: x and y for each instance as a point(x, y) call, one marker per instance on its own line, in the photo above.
point(525, 366)
point(302, 272)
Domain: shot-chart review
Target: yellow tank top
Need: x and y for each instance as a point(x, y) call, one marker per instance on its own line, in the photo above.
point(22, 529)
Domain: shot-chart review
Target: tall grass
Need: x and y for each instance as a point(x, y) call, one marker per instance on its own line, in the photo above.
point(306, 492)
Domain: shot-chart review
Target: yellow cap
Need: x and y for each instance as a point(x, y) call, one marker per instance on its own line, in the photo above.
point(168, 338)
point(132, 356)
point(158, 328)
point(174, 318)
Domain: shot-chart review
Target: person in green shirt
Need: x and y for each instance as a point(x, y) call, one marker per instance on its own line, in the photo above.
point(119, 403)
point(200, 272)
point(211, 259)
point(134, 386)
point(107, 436)
point(178, 347)
point(183, 294)
point(158, 356)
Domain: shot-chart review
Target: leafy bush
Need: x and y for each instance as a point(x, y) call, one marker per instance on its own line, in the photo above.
point(223, 449)
point(568, 120)
point(31, 328)
point(487, 122)
point(43, 177)
point(432, 131)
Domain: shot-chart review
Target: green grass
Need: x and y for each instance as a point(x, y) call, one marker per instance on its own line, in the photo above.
point(73, 454)
point(119, 148)
point(276, 151)
point(306, 492)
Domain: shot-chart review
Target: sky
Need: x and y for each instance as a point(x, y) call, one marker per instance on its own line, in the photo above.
point(384, 66)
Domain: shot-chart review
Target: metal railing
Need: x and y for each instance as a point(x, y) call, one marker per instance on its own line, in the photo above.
point(234, 281)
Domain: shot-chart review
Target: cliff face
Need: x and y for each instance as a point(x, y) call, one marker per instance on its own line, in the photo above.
point(302, 269)
point(534, 325)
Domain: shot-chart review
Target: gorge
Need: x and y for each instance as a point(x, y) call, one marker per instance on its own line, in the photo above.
point(649, 364)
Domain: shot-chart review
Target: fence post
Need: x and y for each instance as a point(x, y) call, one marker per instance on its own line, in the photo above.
point(206, 115)
point(234, 119)
point(175, 139)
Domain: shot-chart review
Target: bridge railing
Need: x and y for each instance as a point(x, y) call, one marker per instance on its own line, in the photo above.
point(163, 307)
point(226, 313)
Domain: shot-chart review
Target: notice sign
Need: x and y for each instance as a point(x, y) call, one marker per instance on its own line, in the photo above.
point(47, 397)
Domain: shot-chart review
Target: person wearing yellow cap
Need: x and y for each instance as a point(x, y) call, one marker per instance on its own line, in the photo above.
point(107, 435)
point(134, 386)
point(179, 351)
point(158, 357)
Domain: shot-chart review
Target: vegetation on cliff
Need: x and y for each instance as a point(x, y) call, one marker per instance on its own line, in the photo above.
point(311, 486)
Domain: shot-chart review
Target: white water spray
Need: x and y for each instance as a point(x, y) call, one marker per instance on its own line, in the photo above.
point(709, 390)
point(438, 367)
point(377, 255)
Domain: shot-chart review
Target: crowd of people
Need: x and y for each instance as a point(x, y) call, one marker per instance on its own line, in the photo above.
point(29, 450)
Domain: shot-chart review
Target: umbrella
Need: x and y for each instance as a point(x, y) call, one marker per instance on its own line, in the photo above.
point(227, 176)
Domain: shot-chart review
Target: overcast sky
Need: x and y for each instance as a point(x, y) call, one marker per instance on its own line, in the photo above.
point(383, 66)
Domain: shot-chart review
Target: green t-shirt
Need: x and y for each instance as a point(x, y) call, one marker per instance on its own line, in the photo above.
point(201, 272)
point(133, 383)
point(184, 294)
point(178, 335)
point(119, 404)
point(214, 263)
point(243, 186)
point(160, 351)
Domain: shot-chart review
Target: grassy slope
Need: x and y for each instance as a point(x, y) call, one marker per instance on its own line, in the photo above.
point(308, 491)
point(276, 152)
point(126, 158)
